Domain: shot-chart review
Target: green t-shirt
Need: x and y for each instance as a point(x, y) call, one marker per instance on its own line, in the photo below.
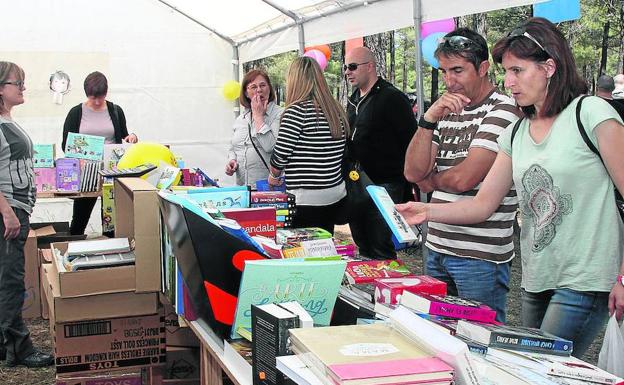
point(571, 234)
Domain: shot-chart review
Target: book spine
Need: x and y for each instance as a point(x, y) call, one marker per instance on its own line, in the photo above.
point(530, 344)
point(276, 205)
point(463, 312)
point(570, 372)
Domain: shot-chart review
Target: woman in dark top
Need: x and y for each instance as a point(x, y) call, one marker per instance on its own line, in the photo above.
point(96, 116)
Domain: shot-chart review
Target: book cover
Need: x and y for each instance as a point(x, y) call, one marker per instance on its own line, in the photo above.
point(515, 338)
point(398, 225)
point(272, 249)
point(314, 284)
point(283, 225)
point(448, 306)
point(277, 205)
point(220, 197)
point(367, 271)
point(43, 155)
point(83, 146)
point(256, 221)
point(237, 353)
point(312, 248)
point(68, 174)
point(108, 208)
point(284, 236)
point(45, 179)
point(99, 246)
point(366, 354)
point(305, 320)
point(269, 326)
point(271, 197)
point(390, 290)
point(113, 153)
point(168, 175)
point(345, 248)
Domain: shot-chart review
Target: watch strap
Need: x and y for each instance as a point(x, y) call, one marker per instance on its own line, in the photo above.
point(426, 124)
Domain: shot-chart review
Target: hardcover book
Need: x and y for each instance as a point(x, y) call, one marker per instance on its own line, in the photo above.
point(285, 236)
point(398, 225)
point(366, 354)
point(448, 306)
point(277, 205)
point(515, 338)
point(68, 174)
point(256, 221)
point(43, 155)
point(314, 284)
point(271, 197)
point(390, 290)
point(45, 179)
point(269, 325)
point(83, 146)
point(220, 197)
point(367, 271)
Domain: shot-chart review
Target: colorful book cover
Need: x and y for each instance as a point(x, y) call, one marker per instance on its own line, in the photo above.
point(314, 284)
point(84, 146)
point(68, 174)
point(276, 205)
point(398, 225)
point(285, 236)
point(312, 248)
point(43, 155)
point(448, 306)
point(168, 175)
point(108, 208)
point(390, 290)
point(345, 248)
point(220, 197)
point(259, 197)
point(256, 221)
point(113, 153)
point(367, 271)
point(45, 179)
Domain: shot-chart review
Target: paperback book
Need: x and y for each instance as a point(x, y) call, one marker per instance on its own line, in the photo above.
point(271, 197)
point(448, 306)
point(398, 225)
point(285, 236)
point(45, 179)
point(312, 248)
point(113, 153)
point(220, 197)
point(367, 271)
point(68, 174)
point(43, 155)
point(83, 146)
point(390, 290)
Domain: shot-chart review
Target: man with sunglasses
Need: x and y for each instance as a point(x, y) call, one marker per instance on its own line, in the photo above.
point(382, 125)
point(451, 154)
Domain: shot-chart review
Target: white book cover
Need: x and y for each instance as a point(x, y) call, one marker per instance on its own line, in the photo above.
point(295, 307)
point(398, 225)
point(99, 246)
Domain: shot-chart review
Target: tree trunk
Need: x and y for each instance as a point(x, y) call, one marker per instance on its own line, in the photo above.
point(391, 69)
point(377, 44)
point(343, 92)
point(404, 85)
point(434, 84)
point(620, 63)
point(605, 48)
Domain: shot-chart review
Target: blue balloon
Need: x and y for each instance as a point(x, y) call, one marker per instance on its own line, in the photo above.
point(558, 10)
point(429, 46)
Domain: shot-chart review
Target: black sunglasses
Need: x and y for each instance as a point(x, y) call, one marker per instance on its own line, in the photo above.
point(459, 43)
point(353, 66)
point(522, 32)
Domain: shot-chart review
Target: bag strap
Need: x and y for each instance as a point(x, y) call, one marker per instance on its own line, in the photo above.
point(515, 128)
point(582, 131)
point(254, 145)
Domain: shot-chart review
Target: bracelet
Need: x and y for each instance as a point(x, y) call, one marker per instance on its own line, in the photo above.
point(275, 177)
point(425, 124)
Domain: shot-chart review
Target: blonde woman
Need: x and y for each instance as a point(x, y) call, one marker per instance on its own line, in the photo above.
point(310, 146)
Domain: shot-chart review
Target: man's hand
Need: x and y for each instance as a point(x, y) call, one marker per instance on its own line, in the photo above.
point(446, 104)
point(231, 167)
point(11, 224)
point(616, 300)
point(414, 213)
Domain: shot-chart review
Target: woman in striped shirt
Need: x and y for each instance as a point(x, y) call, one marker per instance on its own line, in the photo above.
point(310, 146)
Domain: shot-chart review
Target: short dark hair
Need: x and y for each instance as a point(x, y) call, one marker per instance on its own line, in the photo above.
point(566, 83)
point(476, 52)
point(249, 77)
point(96, 84)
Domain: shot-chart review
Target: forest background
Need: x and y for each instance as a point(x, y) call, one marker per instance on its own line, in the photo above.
point(597, 41)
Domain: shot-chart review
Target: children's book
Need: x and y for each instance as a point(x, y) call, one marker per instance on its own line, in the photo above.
point(45, 179)
point(43, 155)
point(312, 248)
point(256, 221)
point(448, 306)
point(113, 153)
point(220, 197)
point(68, 174)
point(84, 146)
point(285, 236)
point(314, 284)
point(398, 225)
point(390, 290)
point(368, 271)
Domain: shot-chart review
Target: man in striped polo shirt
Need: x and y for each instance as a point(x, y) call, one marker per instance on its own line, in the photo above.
point(451, 154)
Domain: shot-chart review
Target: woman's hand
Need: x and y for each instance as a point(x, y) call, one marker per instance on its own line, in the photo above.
point(11, 224)
point(414, 213)
point(132, 138)
point(258, 109)
point(231, 167)
point(275, 177)
point(616, 301)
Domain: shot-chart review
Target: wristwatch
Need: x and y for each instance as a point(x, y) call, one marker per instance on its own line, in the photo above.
point(426, 124)
point(620, 279)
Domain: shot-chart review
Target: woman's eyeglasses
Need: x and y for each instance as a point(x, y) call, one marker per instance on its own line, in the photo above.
point(18, 83)
point(459, 43)
point(522, 32)
point(353, 66)
point(255, 87)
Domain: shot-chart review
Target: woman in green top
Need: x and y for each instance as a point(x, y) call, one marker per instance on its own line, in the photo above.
point(571, 238)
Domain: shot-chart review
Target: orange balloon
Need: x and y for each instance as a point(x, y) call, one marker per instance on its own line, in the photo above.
point(323, 48)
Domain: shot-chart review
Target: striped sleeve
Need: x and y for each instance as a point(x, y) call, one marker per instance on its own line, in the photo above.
point(492, 125)
point(288, 136)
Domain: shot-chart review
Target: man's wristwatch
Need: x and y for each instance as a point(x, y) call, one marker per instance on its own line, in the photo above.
point(620, 279)
point(426, 124)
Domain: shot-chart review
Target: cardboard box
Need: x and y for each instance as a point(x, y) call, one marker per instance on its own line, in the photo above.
point(109, 344)
point(130, 377)
point(178, 335)
point(137, 216)
point(92, 281)
point(32, 296)
point(182, 363)
point(98, 306)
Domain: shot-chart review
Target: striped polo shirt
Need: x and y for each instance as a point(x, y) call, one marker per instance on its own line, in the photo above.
point(305, 149)
point(476, 126)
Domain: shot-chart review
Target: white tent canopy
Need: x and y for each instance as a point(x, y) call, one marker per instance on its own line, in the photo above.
point(167, 60)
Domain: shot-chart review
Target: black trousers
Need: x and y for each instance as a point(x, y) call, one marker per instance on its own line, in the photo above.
point(14, 335)
point(81, 214)
point(317, 216)
point(370, 230)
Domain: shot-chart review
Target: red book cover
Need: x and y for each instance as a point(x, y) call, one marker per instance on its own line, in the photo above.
point(390, 290)
point(367, 271)
point(256, 221)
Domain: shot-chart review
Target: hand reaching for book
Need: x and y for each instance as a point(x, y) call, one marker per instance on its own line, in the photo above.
point(414, 213)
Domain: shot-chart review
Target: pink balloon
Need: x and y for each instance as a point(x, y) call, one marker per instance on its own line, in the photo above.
point(318, 56)
point(446, 25)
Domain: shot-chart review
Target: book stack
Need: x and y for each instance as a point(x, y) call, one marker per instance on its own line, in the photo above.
point(89, 175)
point(373, 354)
point(283, 202)
point(360, 272)
point(448, 306)
point(97, 253)
point(390, 290)
point(345, 248)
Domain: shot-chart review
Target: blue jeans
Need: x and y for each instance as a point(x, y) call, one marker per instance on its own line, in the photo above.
point(574, 315)
point(475, 279)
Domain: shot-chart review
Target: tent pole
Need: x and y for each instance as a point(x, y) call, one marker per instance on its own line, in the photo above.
point(236, 76)
point(298, 21)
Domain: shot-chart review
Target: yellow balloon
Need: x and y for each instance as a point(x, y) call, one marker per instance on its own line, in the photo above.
point(231, 90)
point(145, 152)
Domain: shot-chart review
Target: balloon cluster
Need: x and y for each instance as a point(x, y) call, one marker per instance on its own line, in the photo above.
point(431, 33)
point(320, 53)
